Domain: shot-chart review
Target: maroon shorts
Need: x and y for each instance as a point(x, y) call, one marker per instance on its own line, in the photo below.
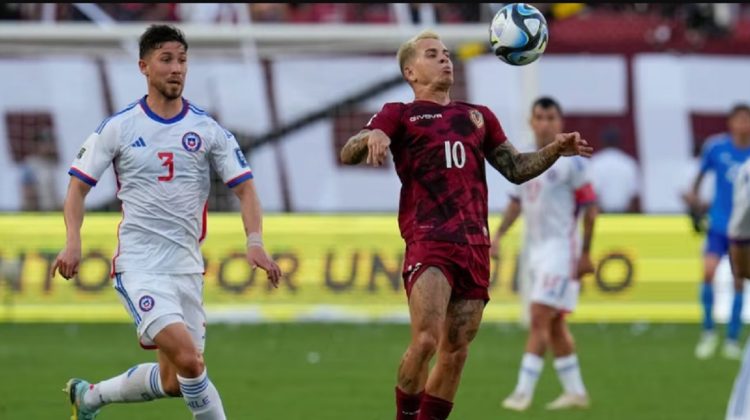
point(467, 267)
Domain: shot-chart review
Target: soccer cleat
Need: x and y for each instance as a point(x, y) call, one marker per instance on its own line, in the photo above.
point(566, 401)
point(76, 388)
point(732, 350)
point(517, 401)
point(706, 345)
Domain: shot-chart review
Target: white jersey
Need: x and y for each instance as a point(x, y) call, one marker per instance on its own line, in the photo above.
point(551, 201)
point(550, 204)
point(163, 177)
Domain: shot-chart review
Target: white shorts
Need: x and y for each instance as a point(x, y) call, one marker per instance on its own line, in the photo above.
point(739, 221)
point(156, 300)
point(739, 402)
point(553, 285)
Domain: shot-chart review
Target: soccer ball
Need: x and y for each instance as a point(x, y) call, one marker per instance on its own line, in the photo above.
point(518, 34)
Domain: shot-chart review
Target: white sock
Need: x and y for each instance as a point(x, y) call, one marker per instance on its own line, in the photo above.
point(569, 373)
point(531, 368)
point(201, 397)
point(140, 383)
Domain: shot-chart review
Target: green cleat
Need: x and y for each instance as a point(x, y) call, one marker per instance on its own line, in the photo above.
point(76, 388)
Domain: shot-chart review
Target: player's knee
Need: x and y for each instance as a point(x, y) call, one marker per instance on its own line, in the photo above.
point(457, 357)
point(709, 270)
point(540, 325)
point(557, 328)
point(559, 337)
point(189, 364)
point(425, 344)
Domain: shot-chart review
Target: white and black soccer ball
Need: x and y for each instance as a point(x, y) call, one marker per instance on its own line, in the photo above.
point(519, 34)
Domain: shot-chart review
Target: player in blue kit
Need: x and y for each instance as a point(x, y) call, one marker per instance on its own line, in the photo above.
point(723, 154)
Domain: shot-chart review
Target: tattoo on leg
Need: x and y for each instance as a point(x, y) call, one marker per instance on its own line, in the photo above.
point(462, 315)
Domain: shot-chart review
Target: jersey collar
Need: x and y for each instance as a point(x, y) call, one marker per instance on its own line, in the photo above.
point(151, 114)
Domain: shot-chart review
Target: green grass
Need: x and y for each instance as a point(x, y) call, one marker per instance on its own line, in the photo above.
point(264, 372)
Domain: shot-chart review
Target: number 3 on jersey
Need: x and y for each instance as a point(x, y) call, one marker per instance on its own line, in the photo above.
point(168, 161)
point(455, 154)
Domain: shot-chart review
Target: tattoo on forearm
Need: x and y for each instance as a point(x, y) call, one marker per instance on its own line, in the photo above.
point(521, 167)
point(355, 149)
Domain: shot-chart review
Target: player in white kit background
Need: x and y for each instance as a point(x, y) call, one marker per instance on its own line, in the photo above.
point(551, 204)
point(161, 148)
point(739, 255)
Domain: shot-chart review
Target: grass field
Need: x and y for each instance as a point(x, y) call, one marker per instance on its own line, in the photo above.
point(344, 371)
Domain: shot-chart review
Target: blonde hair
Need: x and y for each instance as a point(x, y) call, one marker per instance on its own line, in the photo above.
point(409, 48)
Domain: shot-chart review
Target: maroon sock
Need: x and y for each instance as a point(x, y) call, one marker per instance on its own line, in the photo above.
point(407, 405)
point(434, 408)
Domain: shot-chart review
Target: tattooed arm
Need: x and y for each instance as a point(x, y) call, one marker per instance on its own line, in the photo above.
point(355, 149)
point(372, 144)
point(521, 167)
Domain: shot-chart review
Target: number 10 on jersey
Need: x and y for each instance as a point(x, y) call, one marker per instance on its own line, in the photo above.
point(455, 154)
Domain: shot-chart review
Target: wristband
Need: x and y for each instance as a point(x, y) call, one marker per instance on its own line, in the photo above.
point(254, 239)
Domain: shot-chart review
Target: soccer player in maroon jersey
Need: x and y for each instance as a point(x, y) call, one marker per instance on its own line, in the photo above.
point(439, 147)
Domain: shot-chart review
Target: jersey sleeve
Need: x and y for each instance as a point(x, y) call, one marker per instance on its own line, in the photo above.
point(493, 135)
point(388, 120)
point(581, 180)
point(707, 157)
point(95, 155)
point(228, 159)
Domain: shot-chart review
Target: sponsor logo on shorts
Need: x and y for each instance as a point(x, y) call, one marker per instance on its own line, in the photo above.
point(146, 303)
point(411, 270)
point(191, 141)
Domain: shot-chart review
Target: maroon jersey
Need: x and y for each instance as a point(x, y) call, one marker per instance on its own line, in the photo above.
point(439, 156)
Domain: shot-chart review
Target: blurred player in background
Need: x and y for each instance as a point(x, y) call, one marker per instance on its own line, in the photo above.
point(161, 147)
point(439, 147)
point(557, 260)
point(722, 154)
point(739, 253)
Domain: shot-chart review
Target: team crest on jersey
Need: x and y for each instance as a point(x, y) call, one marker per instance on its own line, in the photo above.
point(476, 118)
point(191, 142)
point(146, 303)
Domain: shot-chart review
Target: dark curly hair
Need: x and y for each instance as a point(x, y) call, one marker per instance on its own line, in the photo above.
point(156, 35)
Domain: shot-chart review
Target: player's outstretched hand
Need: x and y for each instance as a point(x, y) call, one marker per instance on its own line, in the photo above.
point(585, 265)
point(257, 257)
point(377, 147)
point(571, 144)
point(67, 262)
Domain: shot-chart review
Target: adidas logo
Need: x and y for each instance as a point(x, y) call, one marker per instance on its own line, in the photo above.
point(139, 143)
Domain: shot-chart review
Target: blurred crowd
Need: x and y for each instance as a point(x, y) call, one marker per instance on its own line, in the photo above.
point(707, 17)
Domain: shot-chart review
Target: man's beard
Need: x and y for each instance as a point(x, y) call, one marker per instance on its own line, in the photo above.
point(169, 92)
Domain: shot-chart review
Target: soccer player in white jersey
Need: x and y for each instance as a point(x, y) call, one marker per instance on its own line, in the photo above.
point(161, 148)
point(550, 204)
point(739, 254)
